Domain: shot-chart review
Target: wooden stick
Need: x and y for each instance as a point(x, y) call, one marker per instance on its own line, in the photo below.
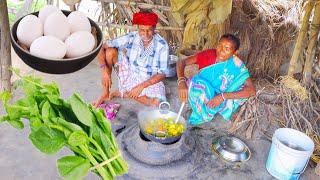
point(135, 28)
point(140, 5)
point(128, 11)
point(5, 48)
point(160, 14)
point(250, 129)
point(235, 122)
point(301, 37)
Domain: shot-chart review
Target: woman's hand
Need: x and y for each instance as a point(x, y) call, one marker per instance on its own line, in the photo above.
point(183, 91)
point(216, 101)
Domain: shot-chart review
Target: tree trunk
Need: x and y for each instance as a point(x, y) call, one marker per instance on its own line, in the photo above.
point(301, 37)
point(5, 47)
point(314, 31)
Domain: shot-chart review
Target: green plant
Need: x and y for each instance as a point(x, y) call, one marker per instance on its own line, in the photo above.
point(56, 122)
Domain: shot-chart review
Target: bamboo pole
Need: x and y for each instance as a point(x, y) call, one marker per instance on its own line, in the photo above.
point(314, 31)
point(301, 37)
point(140, 5)
point(5, 48)
point(135, 28)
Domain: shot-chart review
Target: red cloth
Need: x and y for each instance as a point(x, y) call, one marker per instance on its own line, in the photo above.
point(144, 18)
point(206, 58)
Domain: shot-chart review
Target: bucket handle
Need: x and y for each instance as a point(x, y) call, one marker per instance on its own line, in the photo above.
point(294, 173)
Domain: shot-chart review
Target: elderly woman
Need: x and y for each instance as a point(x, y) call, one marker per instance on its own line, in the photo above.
point(221, 86)
point(140, 60)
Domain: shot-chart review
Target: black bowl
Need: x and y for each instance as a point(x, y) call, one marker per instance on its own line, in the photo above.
point(55, 66)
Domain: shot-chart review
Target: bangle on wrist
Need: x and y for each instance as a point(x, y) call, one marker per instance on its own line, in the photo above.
point(223, 96)
point(103, 65)
point(181, 80)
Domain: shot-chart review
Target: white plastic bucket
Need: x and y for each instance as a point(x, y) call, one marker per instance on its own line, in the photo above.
point(289, 154)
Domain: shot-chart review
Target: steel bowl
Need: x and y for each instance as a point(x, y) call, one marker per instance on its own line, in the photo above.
point(55, 66)
point(231, 149)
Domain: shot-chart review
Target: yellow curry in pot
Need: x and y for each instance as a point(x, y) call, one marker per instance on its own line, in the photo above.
point(166, 126)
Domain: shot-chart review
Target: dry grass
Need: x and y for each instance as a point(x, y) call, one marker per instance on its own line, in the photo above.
point(267, 32)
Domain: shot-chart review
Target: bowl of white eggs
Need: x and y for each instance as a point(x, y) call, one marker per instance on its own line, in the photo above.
point(55, 41)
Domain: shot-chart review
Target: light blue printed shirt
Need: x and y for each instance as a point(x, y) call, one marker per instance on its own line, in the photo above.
point(146, 62)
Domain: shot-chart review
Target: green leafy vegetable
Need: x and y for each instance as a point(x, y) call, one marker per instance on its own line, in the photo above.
point(47, 140)
point(73, 167)
point(73, 123)
point(78, 138)
point(81, 110)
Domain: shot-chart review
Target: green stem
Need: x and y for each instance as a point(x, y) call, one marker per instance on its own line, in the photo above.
point(95, 154)
point(101, 171)
point(32, 82)
point(60, 128)
point(86, 152)
point(103, 155)
point(113, 141)
point(76, 150)
point(55, 127)
point(20, 107)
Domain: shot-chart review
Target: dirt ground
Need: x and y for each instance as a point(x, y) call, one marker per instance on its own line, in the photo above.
point(20, 160)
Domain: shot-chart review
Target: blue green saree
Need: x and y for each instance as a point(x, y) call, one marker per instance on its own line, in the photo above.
point(211, 81)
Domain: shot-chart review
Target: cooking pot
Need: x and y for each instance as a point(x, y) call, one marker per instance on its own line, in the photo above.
point(146, 117)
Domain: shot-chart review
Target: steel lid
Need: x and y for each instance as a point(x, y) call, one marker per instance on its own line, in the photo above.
point(231, 149)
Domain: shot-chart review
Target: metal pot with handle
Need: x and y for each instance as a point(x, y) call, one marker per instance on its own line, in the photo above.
point(158, 125)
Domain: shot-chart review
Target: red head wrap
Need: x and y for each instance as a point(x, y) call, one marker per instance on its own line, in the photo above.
point(145, 18)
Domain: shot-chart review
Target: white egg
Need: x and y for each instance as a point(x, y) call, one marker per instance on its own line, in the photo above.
point(57, 25)
point(79, 22)
point(79, 43)
point(48, 47)
point(29, 29)
point(46, 11)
